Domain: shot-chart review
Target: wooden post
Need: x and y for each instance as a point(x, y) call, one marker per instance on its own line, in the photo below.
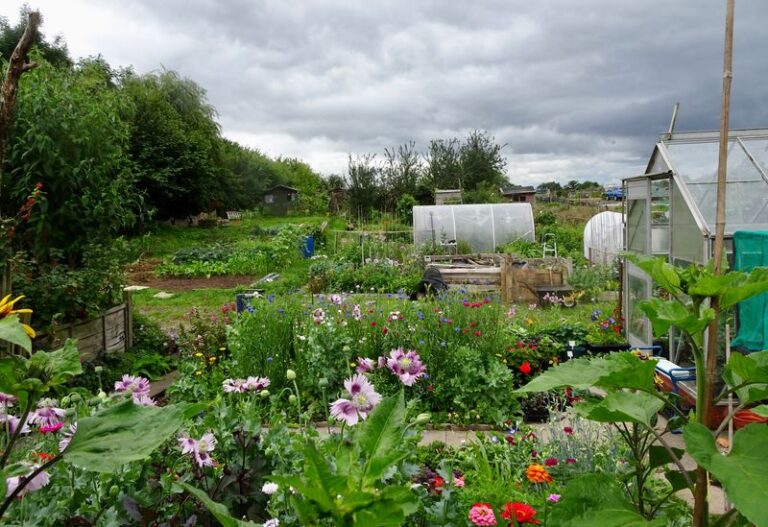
point(128, 300)
point(701, 506)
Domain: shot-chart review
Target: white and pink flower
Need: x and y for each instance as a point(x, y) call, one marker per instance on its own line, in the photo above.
point(362, 399)
point(199, 449)
point(406, 365)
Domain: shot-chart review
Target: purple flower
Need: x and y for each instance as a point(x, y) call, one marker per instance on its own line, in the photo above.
point(199, 449)
point(318, 315)
point(335, 299)
point(273, 522)
point(47, 416)
point(13, 423)
point(554, 498)
point(67, 437)
point(132, 384)
point(7, 399)
point(364, 365)
point(256, 384)
point(595, 315)
point(406, 365)
point(362, 399)
point(357, 314)
point(38, 482)
point(234, 386)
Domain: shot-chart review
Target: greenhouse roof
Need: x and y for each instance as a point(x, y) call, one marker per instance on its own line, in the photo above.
point(692, 158)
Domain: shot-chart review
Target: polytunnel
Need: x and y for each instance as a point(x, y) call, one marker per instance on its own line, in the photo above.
point(484, 227)
point(604, 237)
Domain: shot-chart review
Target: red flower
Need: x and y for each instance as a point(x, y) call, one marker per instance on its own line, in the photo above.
point(477, 333)
point(570, 461)
point(373, 324)
point(525, 368)
point(568, 430)
point(473, 324)
point(429, 388)
point(385, 330)
point(550, 461)
point(519, 343)
point(520, 512)
point(438, 483)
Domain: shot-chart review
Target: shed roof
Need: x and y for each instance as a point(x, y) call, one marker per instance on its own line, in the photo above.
point(282, 186)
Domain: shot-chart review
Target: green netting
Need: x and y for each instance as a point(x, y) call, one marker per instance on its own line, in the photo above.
point(750, 251)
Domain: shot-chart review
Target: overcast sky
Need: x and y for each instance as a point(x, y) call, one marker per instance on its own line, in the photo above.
point(575, 89)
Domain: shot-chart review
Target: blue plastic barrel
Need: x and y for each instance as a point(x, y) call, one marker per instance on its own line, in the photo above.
point(308, 249)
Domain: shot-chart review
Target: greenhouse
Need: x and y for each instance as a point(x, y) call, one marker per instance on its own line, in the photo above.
point(670, 210)
point(482, 227)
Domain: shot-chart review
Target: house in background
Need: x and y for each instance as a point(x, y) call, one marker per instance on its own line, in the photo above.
point(447, 196)
point(280, 199)
point(518, 194)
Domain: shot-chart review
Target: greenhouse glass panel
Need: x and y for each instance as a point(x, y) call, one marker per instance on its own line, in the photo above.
point(484, 227)
point(687, 238)
point(746, 190)
point(637, 226)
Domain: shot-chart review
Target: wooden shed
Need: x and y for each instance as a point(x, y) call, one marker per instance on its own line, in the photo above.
point(280, 199)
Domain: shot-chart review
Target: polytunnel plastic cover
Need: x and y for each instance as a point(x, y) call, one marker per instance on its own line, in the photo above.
point(483, 226)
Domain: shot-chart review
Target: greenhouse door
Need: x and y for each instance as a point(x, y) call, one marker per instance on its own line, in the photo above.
point(638, 286)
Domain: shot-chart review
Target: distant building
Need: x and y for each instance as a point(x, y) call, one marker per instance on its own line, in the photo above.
point(447, 196)
point(280, 199)
point(518, 194)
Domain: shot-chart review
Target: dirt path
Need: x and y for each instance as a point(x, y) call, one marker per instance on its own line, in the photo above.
point(143, 274)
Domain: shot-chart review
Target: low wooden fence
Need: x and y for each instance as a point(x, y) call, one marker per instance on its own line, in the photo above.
point(110, 332)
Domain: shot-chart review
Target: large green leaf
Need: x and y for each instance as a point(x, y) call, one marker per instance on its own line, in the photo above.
point(219, 511)
point(380, 514)
point(381, 436)
point(617, 370)
point(664, 274)
point(11, 330)
point(732, 287)
point(56, 367)
point(582, 506)
point(664, 314)
point(622, 407)
point(749, 375)
point(122, 433)
point(743, 472)
point(13, 369)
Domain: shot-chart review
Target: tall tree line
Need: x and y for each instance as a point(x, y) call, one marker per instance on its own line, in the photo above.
point(404, 175)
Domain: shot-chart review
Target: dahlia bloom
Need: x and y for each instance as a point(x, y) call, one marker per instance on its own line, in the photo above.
point(364, 365)
point(38, 482)
point(362, 399)
point(199, 448)
point(406, 365)
point(482, 514)
point(537, 474)
point(520, 512)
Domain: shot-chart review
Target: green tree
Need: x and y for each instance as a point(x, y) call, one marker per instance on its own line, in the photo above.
point(481, 162)
point(313, 190)
point(444, 164)
point(175, 144)
point(70, 134)
point(400, 173)
point(363, 185)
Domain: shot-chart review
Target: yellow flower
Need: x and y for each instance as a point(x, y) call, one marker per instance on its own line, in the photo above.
point(198, 372)
point(198, 354)
point(6, 310)
point(222, 349)
point(211, 359)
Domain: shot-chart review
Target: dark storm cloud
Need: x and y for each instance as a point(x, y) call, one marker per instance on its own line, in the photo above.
point(572, 88)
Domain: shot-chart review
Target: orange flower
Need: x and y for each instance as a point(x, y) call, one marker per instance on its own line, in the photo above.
point(537, 474)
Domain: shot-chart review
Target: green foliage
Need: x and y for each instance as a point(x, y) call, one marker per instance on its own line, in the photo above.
point(219, 511)
point(70, 134)
point(748, 376)
point(405, 208)
point(55, 52)
point(743, 472)
point(11, 330)
point(123, 433)
point(348, 489)
point(581, 506)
